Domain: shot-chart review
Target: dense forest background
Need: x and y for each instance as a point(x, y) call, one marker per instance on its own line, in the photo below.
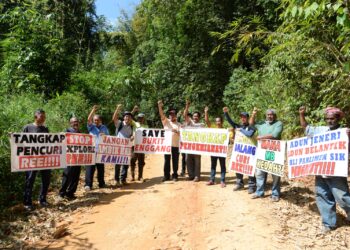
point(60, 56)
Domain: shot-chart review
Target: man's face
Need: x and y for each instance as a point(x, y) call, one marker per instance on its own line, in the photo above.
point(172, 116)
point(40, 118)
point(218, 122)
point(270, 116)
point(97, 121)
point(141, 120)
point(244, 120)
point(74, 123)
point(127, 119)
point(196, 117)
point(332, 121)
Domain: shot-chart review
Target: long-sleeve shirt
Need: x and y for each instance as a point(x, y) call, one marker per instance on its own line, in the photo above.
point(245, 128)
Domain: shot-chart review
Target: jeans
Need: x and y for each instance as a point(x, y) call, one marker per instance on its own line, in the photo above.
point(251, 181)
point(330, 191)
point(29, 183)
point(183, 165)
point(141, 162)
point(214, 160)
point(193, 166)
point(70, 180)
point(121, 175)
point(175, 159)
point(261, 178)
point(89, 174)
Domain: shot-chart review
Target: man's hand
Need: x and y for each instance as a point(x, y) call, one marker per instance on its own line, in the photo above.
point(206, 109)
point(225, 109)
point(255, 111)
point(132, 138)
point(160, 104)
point(302, 110)
point(188, 103)
point(95, 108)
point(119, 107)
point(135, 109)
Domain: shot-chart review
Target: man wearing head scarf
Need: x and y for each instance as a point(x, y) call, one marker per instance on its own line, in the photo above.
point(270, 129)
point(248, 131)
point(329, 189)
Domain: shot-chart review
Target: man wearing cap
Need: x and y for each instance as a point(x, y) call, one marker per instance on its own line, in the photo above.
point(248, 131)
point(214, 159)
point(271, 129)
point(193, 161)
point(124, 129)
point(95, 127)
point(71, 174)
point(138, 157)
point(174, 125)
point(37, 127)
point(329, 189)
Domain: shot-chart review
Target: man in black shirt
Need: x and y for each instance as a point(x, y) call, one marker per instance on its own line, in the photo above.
point(36, 127)
point(71, 174)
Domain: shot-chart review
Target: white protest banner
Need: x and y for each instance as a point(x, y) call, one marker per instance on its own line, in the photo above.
point(80, 149)
point(270, 156)
point(112, 149)
point(204, 141)
point(243, 155)
point(37, 151)
point(153, 141)
point(322, 154)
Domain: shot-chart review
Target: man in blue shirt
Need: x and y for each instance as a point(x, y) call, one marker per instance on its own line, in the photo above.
point(95, 127)
point(248, 131)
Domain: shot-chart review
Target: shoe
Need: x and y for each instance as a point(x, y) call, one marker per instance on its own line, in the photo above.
point(237, 187)
point(223, 184)
point(196, 179)
point(140, 179)
point(165, 179)
point(255, 196)
point(251, 190)
point(28, 208)
point(102, 186)
point(44, 203)
point(175, 179)
point(275, 198)
point(133, 179)
point(71, 197)
point(182, 174)
point(210, 183)
point(325, 229)
point(124, 183)
point(87, 188)
point(190, 178)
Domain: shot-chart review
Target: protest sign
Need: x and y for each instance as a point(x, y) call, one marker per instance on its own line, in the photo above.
point(153, 141)
point(270, 156)
point(204, 141)
point(112, 149)
point(37, 151)
point(243, 155)
point(322, 154)
point(80, 149)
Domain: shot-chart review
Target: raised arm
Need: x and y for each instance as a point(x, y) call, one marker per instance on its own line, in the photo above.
point(253, 116)
point(91, 115)
point(303, 122)
point(116, 113)
point(135, 109)
point(228, 118)
point(186, 118)
point(161, 111)
point(206, 117)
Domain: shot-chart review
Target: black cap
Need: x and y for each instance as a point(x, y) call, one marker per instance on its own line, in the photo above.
point(127, 113)
point(246, 114)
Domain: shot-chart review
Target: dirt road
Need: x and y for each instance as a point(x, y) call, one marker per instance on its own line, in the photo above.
point(188, 215)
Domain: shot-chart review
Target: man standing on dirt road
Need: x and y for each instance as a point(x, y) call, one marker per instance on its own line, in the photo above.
point(248, 131)
point(171, 123)
point(214, 159)
point(37, 127)
point(270, 129)
point(329, 189)
point(95, 127)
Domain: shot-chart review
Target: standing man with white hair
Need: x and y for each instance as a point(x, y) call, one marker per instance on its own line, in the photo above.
point(270, 129)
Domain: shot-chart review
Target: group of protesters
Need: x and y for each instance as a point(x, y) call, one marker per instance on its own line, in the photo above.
point(329, 190)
